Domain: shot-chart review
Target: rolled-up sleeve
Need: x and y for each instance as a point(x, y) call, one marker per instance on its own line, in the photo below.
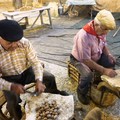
point(34, 61)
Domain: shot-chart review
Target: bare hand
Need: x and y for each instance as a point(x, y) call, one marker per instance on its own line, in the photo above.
point(109, 72)
point(17, 88)
point(40, 87)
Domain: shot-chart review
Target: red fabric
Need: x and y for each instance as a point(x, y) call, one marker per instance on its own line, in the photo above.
point(89, 28)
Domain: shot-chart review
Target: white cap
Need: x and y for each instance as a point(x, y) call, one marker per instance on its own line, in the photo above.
point(106, 19)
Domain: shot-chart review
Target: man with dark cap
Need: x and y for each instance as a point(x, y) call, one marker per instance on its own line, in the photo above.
point(19, 66)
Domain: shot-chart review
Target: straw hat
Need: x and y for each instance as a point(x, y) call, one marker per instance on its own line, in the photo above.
point(106, 19)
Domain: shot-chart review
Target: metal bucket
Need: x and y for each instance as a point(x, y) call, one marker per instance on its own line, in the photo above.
point(60, 10)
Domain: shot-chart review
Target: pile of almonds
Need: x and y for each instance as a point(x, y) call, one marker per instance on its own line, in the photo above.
point(48, 111)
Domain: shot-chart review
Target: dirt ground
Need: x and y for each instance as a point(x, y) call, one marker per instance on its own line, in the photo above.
point(53, 47)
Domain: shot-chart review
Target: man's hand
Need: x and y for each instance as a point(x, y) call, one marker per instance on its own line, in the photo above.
point(40, 87)
point(109, 72)
point(17, 88)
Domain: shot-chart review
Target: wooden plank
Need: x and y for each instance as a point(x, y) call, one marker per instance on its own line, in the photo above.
point(2, 116)
point(2, 98)
point(37, 12)
point(1, 93)
point(28, 86)
point(21, 14)
point(73, 72)
point(77, 76)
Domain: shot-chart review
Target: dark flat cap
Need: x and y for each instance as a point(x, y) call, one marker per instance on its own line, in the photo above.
point(10, 30)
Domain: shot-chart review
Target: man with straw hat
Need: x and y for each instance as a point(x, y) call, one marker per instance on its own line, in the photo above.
point(90, 52)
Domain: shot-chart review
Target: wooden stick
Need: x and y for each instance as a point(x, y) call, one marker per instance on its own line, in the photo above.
point(25, 2)
point(116, 32)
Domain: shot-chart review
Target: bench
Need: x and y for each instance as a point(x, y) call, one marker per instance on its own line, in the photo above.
point(73, 72)
point(2, 102)
point(36, 13)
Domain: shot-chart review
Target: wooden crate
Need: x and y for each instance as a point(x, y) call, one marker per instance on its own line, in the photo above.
point(73, 72)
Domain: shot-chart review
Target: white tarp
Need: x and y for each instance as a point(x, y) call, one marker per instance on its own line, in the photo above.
point(80, 2)
point(115, 81)
point(65, 103)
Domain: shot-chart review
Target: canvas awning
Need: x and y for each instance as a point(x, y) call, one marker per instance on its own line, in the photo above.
point(80, 2)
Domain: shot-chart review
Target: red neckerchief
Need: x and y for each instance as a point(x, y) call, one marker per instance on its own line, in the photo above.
point(89, 28)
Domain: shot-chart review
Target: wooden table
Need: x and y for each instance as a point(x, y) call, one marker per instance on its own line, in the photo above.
point(36, 13)
point(72, 3)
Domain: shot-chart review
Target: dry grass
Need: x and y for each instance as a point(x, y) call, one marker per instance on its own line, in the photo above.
point(6, 6)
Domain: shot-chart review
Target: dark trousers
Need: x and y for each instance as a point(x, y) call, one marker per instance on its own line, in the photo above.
point(86, 74)
point(26, 77)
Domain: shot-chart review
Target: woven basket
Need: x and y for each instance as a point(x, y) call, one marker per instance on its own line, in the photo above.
point(103, 99)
